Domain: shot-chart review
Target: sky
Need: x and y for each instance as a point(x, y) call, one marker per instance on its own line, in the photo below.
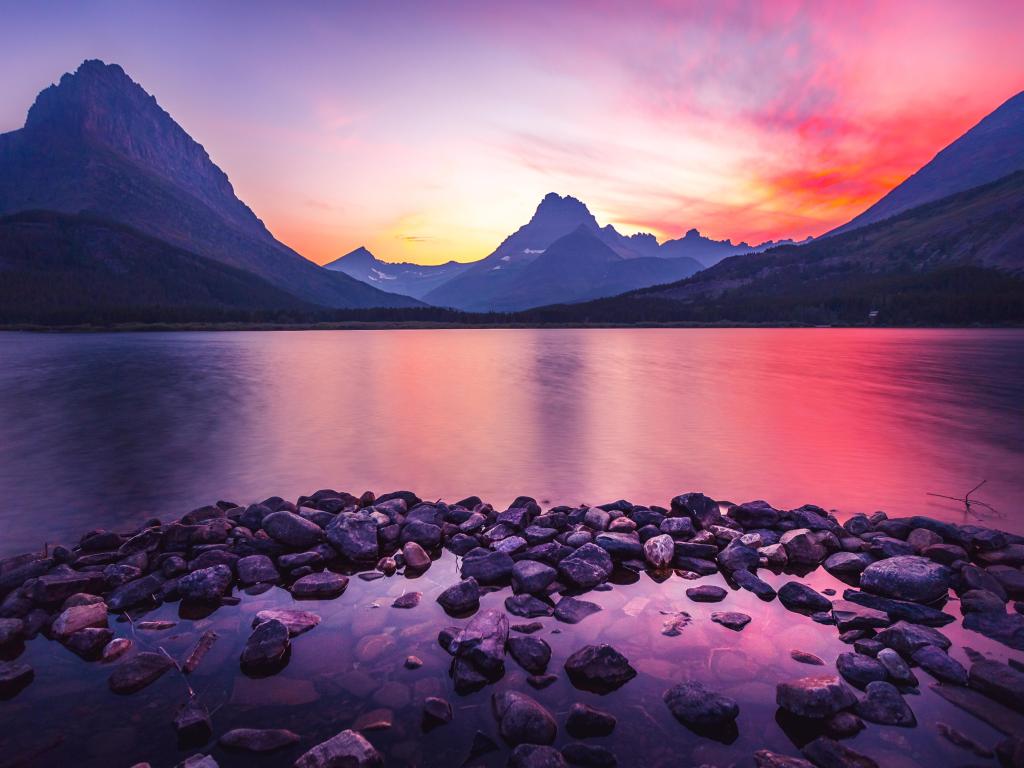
point(429, 131)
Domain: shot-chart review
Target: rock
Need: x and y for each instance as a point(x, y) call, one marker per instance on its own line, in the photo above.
point(297, 622)
point(829, 753)
point(408, 600)
point(1011, 752)
point(731, 619)
point(765, 758)
point(55, 588)
point(138, 672)
point(848, 615)
point(906, 638)
point(799, 597)
point(921, 538)
point(900, 610)
point(806, 658)
point(979, 705)
point(1002, 627)
point(587, 567)
point(846, 563)
point(436, 711)
point(694, 705)
point(752, 583)
point(490, 569)
point(207, 585)
point(135, 593)
point(14, 676)
point(255, 569)
point(803, 547)
point(659, 550)
point(589, 755)
point(585, 721)
point(481, 643)
point(859, 669)
point(677, 527)
point(192, 723)
point(998, 681)
point(292, 530)
point(843, 725)
point(258, 739)
point(374, 720)
point(599, 668)
point(940, 665)
point(572, 611)
point(706, 593)
point(738, 557)
point(981, 601)
point(884, 705)
point(527, 606)
point(532, 576)
point(320, 586)
point(197, 761)
point(897, 669)
point(540, 682)
point(266, 651)
point(89, 642)
point(461, 598)
point(531, 653)
point(348, 749)
point(907, 577)
point(354, 537)
point(427, 535)
point(416, 558)
point(754, 514)
point(77, 617)
point(535, 756)
point(814, 697)
point(962, 740)
point(701, 509)
point(116, 648)
point(522, 720)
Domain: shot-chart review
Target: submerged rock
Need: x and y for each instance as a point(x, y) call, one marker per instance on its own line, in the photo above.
point(731, 619)
point(599, 668)
point(585, 721)
point(320, 586)
point(572, 611)
point(348, 749)
point(531, 653)
point(940, 665)
point(536, 756)
point(694, 705)
point(258, 739)
point(14, 676)
point(523, 720)
point(138, 672)
point(830, 753)
point(297, 622)
point(266, 650)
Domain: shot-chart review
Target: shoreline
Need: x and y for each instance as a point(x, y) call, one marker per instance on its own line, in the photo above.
point(900, 573)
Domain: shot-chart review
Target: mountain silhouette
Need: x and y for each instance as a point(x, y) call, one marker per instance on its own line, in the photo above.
point(414, 280)
point(97, 143)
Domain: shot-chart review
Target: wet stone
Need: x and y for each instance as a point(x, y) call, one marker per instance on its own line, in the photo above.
point(527, 629)
point(940, 665)
point(255, 569)
point(258, 739)
point(752, 583)
point(14, 676)
point(765, 758)
point(907, 577)
point(536, 756)
point(436, 711)
point(599, 668)
point(907, 638)
point(806, 658)
point(999, 681)
point(192, 723)
point(297, 622)
point(531, 653)
point(848, 615)
point(490, 569)
point(522, 719)
point(320, 586)
point(884, 705)
point(830, 753)
point(897, 669)
point(799, 597)
point(731, 619)
point(292, 530)
point(540, 682)
point(814, 697)
point(408, 600)
point(89, 643)
point(266, 650)
point(843, 725)
point(461, 598)
point(589, 755)
point(571, 610)
point(532, 576)
point(207, 585)
point(528, 606)
point(348, 749)
point(859, 670)
point(706, 593)
point(694, 705)
point(675, 623)
point(587, 567)
point(585, 721)
point(138, 672)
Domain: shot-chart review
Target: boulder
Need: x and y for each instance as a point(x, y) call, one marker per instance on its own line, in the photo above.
point(320, 586)
point(800, 597)
point(599, 668)
point(706, 593)
point(436, 711)
point(907, 638)
point(694, 705)
point(207, 585)
point(884, 705)
point(585, 568)
point(138, 672)
point(846, 563)
point(463, 597)
point(266, 651)
point(803, 547)
point(354, 536)
point(532, 576)
point(814, 697)
point(297, 622)
point(859, 670)
point(898, 670)
point(292, 530)
point(849, 615)
point(752, 583)
point(78, 617)
point(192, 722)
point(585, 721)
point(528, 606)
point(900, 610)
point(908, 577)
point(481, 643)
point(939, 664)
point(523, 720)
point(255, 569)
point(660, 550)
point(536, 756)
point(572, 611)
point(490, 569)
point(731, 619)
point(754, 514)
point(348, 749)
point(621, 546)
point(531, 653)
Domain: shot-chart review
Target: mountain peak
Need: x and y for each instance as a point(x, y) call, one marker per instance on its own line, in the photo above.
point(554, 204)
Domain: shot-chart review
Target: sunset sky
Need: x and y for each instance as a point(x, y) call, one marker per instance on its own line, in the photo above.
point(429, 131)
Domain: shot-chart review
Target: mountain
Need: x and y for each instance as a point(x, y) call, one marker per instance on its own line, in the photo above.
point(407, 279)
point(709, 252)
point(497, 282)
point(956, 260)
point(88, 268)
point(990, 150)
point(97, 143)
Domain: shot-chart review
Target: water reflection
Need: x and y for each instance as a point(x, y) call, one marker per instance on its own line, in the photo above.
point(109, 429)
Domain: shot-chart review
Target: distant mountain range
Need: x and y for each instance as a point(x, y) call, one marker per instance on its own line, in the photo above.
point(96, 143)
point(988, 151)
point(414, 280)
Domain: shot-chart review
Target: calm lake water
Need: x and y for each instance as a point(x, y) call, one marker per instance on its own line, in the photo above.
point(107, 430)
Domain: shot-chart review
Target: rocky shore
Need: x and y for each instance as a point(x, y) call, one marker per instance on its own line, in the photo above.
point(903, 574)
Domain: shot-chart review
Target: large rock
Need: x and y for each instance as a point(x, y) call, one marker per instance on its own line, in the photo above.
point(803, 547)
point(297, 622)
point(258, 739)
point(572, 610)
point(207, 585)
point(884, 705)
point(532, 576)
point(906, 638)
point(814, 697)
point(940, 665)
point(256, 569)
point(846, 563)
point(907, 577)
point(800, 597)
point(755, 514)
point(599, 668)
point(659, 550)
point(694, 705)
point(702, 509)
point(706, 593)
point(463, 597)
point(585, 721)
point(531, 653)
point(999, 681)
point(849, 615)
point(79, 617)
point(490, 569)
point(482, 643)
point(900, 610)
point(1006, 628)
point(346, 750)
point(859, 669)
point(134, 593)
point(266, 651)
point(138, 672)
point(522, 720)
point(354, 537)
point(320, 586)
point(621, 546)
point(587, 567)
point(292, 530)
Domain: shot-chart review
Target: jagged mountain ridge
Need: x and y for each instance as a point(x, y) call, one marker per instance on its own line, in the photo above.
point(405, 278)
point(98, 143)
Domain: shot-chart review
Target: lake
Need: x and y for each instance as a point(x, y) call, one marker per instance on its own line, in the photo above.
point(101, 430)
point(107, 430)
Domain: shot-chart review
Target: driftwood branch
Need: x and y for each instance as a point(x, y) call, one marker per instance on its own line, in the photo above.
point(970, 503)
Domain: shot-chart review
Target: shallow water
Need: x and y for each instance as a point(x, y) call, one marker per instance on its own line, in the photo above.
point(67, 715)
point(110, 429)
